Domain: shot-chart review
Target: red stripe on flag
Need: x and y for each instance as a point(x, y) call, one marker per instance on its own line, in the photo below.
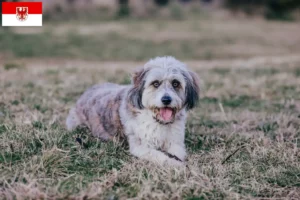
point(33, 7)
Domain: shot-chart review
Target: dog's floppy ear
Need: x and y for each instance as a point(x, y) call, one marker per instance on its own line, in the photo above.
point(136, 93)
point(192, 90)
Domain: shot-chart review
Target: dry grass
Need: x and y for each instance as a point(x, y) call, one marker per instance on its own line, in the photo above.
point(242, 139)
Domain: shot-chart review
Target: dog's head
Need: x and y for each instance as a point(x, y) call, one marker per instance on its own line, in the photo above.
point(164, 86)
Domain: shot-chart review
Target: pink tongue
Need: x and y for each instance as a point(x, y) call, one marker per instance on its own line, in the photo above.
point(166, 113)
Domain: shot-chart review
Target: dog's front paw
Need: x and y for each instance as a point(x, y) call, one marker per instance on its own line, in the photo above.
point(175, 163)
point(177, 152)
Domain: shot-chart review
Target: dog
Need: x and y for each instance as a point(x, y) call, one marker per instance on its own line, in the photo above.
point(150, 113)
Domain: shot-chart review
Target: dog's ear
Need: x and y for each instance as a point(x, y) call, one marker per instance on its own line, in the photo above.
point(136, 92)
point(192, 90)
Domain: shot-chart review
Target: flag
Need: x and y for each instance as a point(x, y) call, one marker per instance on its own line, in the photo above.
point(22, 14)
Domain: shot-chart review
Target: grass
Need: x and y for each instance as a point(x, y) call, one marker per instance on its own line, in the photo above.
point(192, 38)
point(74, 46)
point(242, 139)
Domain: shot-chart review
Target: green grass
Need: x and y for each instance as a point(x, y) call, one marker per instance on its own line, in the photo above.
point(9, 66)
point(111, 46)
point(246, 150)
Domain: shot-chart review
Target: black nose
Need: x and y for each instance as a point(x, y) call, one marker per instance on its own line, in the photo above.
point(166, 100)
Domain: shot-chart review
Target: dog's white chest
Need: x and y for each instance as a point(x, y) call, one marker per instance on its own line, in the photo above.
point(151, 133)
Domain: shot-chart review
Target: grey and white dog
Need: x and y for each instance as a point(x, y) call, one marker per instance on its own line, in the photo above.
point(151, 113)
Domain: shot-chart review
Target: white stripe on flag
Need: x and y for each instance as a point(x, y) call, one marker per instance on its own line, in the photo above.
point(32, 20)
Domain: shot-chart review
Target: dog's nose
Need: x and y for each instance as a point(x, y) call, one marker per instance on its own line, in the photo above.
point(166, 100)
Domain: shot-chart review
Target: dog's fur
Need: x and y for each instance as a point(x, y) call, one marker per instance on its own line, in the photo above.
point(136, 112)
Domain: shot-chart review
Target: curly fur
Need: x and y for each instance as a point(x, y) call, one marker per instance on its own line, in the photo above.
point(133, 112)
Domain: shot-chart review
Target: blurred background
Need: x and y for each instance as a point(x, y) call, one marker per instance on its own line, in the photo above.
point(141, 29)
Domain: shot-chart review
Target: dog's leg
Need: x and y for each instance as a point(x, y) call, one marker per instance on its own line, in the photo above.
point(142, 151)
point(175, 143)
point(97, 127)
point(73, 120)
point(177, 150)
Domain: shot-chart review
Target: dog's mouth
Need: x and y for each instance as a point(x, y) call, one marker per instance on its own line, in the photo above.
point(165, 115)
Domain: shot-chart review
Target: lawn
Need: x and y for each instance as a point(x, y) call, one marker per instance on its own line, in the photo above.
point(242, 138)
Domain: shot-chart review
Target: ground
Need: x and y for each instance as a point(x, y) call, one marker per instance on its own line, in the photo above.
point(242, 139)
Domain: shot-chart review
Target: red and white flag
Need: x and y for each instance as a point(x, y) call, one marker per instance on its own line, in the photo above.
point(22, 14)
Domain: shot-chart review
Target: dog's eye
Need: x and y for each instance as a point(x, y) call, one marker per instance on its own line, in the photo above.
point(175, 84)
point(156, 84)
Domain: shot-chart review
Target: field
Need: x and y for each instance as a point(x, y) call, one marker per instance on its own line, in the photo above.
point(242, 139)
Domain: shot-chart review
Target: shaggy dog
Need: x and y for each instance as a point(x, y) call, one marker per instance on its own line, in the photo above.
point(150, 113)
